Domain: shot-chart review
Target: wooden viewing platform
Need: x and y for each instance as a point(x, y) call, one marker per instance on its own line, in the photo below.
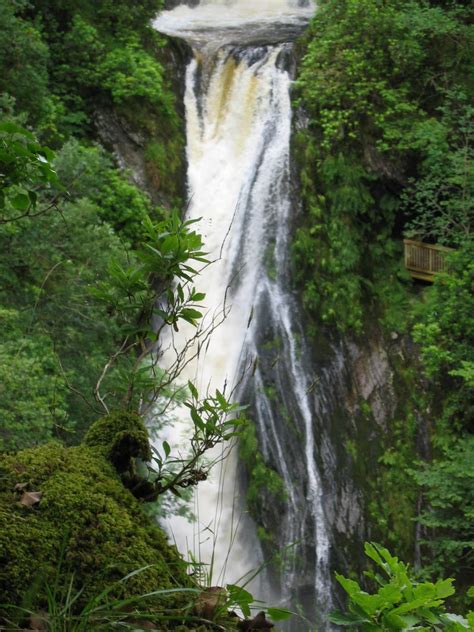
point(423, 260)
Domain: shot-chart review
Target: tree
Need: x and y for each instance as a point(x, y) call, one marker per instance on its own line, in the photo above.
point(440, 200)
point(62, 296)
point(448, 516)
point(23, 60)
point(157, 286)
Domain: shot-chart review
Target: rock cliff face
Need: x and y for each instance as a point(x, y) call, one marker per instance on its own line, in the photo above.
point(150, 147)
point(358, 393)
point(127, 146)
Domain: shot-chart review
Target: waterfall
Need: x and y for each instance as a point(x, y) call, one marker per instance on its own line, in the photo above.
point(238, 116)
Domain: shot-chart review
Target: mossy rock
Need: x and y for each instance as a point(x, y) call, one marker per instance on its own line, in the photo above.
point(86, 516)
point(121, 436)
point(84, 525)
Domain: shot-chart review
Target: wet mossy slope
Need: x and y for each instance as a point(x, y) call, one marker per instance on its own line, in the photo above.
point(85, 517)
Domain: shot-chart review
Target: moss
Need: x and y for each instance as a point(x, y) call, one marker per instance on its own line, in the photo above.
point(262, 479)
point(290, 423)
point(391, 490)
point(269, 261)
point(86, 515)
point(121, 436)
point(164, 165)
point(273, 344)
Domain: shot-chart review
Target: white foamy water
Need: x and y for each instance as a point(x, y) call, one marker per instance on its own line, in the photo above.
point(232, 167)
point(237, 21)
point(238, 117)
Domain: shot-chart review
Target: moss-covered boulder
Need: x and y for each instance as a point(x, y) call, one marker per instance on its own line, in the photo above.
point(70, 503)
point(121, 437)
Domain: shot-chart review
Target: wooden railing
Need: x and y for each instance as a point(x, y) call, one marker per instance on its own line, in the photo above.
point(423, 261)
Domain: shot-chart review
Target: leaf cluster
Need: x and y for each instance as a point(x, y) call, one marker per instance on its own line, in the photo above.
point(399, 602)
point(26, 169)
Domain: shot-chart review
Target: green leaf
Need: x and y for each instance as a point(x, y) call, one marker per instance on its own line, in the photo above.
point(197, 419)
point(415, 604)
point(444, 588)
point(193, 390)
point(339, 618)
point(240, 597)
point(11, 128)
point(279, 614)
point(20, 201)
point(456, 619)
point(350, 586)
point(222, 400)
point(33, 198)
point(189, 313)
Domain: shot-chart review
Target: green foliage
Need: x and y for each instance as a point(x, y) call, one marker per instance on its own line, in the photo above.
point(24, 60)
point(449, 515)
point(263, 481)
point(166, 254)
point(62, 63)
point(328, 251)
point(393, 491)
point(107, 55)
point(445, 327)
point(82, 51)
point(49, 261)
point(440, 200)
point(129, 72)
point(364, 74)
point(400, 602)
point(33, 395)
point(88, 172)
point(445, 332)
point(386, 89)
point(47, 265)
point(25, 171)
point(140, 291)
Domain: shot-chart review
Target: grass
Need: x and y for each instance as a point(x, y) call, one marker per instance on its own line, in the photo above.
point(62, 612)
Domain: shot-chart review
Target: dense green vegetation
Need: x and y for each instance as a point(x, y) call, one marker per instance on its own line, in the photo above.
point(60, 64)
point(388, 91)
point(398, 602)
point(387, 152)
point(79, 554)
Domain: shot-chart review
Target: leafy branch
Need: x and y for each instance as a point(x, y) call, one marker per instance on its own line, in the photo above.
point(400, 602)
point(151, 294)
point(25, 169)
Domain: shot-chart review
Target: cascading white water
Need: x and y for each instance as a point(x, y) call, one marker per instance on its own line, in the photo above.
point(238, 114)
point(236, 21)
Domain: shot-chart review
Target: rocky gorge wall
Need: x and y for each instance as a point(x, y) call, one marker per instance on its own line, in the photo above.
point(360, 400)
point(147, 144)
